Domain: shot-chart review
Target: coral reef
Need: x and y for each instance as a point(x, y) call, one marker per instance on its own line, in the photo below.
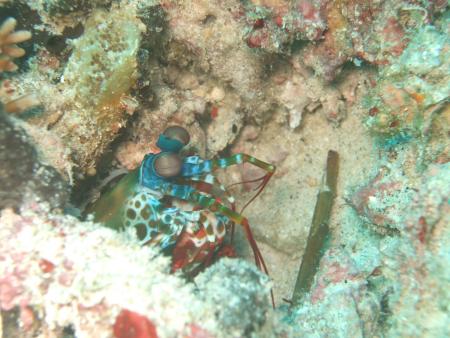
point(22, 175)
point(52, 269)
point(100, 72)
point(274, 25)
point(422, 269)
point(285, 81)
point(375, 32)
point(417, 80)
point(382, 285)
point(96, 79)
point(235, 314)
point(63, 7)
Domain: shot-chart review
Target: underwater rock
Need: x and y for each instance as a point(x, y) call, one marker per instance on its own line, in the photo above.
point(197, 41)
point(241, 301)
point(375, 32)
point(337, 295)
point(84, 275)
point(419, 264)
point(97, 78)
point(414, 82)
point(62, 7)
point(360, 29)
point(274, 25)
point(22, 175)
point(85, 91)
point(380, 202)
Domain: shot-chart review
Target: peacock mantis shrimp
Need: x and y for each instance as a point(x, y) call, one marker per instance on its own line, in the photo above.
point(178, 204)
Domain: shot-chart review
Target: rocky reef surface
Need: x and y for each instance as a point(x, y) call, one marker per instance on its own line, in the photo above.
point(86, 87)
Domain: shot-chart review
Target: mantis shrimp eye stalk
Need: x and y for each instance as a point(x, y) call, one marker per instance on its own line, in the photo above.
point(168, 165)
point(177, 133)
point(173, 139)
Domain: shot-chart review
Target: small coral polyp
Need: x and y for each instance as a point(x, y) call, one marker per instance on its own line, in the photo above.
point(8, 48)
point(8, 52)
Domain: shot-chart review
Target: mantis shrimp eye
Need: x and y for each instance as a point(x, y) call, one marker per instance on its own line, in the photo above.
point(178, 133)
point(167, 165)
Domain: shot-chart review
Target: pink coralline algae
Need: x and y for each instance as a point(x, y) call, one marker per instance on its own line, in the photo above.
point(342, 31)
point(12, 290)
point(378, 203)
point(130, 324)
point(274, 25)
point(356, 29)
point(333, 272)
point(423, 263)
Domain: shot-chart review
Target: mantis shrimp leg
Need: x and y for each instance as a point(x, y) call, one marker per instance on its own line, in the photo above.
point(240, 158)
point(213, 205)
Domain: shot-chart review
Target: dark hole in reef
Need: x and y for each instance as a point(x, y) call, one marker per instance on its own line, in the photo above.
point(56, 44)
point(234, 129)
point(68, 332)
point(153, 17)
point(87, 186)
point(205, 119)
point(385, 311)
point(209, 19)
point(297, 45)
point(73, 32)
